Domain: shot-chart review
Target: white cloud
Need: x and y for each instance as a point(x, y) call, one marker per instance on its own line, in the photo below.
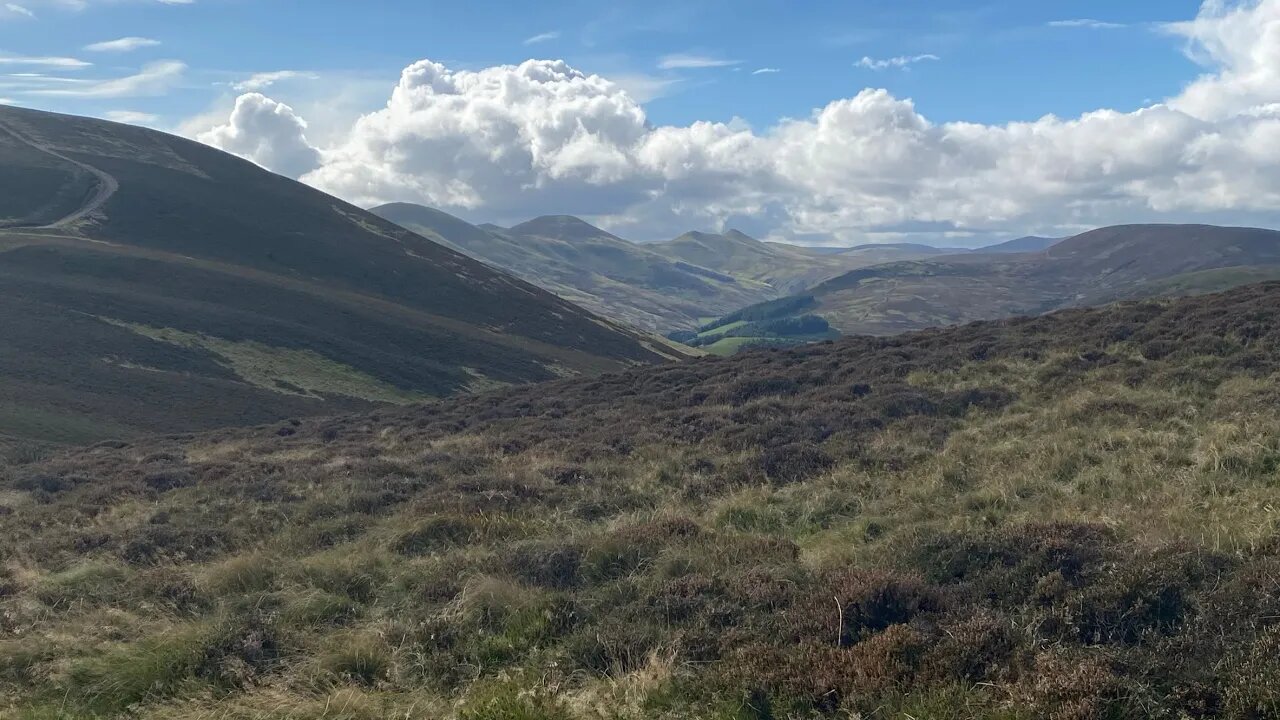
point(124, 44)
point(542, 37)
point(79, 5)
point(268, 133)
point(1240, 44)
point(20, 10)
point(901, 61)
point(684, 61)
point(509, 142)
point(154, 79)
point(264, 80)
point(766, 71)
point(1088, 23)
point(65, 63)
point(131, 117)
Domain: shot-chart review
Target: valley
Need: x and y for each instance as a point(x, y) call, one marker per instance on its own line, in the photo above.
point(658, 287)
point(1105, 265)
point(266, 455)
point(694, 288)
point(639, 361)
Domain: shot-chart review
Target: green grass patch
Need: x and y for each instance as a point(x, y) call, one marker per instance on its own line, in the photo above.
point(283, 370)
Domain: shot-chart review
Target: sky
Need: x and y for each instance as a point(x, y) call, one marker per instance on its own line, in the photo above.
point(950, 122)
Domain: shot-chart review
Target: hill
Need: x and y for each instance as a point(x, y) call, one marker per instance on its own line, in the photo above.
point(1030, 243)
point(1066, 516)
point(153, 284)
point(785, 268)
point(590, 267)
point(1131, 261)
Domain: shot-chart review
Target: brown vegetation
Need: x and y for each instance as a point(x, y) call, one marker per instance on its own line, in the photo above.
point(1070, 516)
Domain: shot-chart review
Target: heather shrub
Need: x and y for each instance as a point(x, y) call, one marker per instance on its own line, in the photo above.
point(1035, 518)
point(794, 463)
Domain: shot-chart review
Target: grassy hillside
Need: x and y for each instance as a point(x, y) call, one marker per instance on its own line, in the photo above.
point(1069, 516)
point(1131, 261)
point(153, 284)
point(777, 323)
point(785, 268)
point(590, 267)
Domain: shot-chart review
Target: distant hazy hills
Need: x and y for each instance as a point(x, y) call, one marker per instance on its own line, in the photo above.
point(155, 284)
point(588, 266)
point(655, 286)
point(1132, 261)
point(697, 283)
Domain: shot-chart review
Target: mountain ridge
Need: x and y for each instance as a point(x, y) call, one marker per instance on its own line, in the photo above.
point(1103, 265)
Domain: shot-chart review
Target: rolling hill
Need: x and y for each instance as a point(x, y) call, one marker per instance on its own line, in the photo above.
point(1132, 261)
point(1031, 243)
point(590, 267)
point(1069, 516)
point(786, 268)
point(153, 284)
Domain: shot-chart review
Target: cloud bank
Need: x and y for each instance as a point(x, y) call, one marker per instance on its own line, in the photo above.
point(511, 141)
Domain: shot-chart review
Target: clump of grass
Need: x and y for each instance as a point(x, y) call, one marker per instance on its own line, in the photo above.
point(241, 575)
point(360, 658)
point(511, 702)
point(153, 668)
point(317, 608)
point(94, 582)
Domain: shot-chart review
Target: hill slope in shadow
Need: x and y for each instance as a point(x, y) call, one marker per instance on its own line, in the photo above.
point(156, 284)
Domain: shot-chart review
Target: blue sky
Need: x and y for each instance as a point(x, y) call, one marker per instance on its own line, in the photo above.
point(944, 121)
point(998, 60)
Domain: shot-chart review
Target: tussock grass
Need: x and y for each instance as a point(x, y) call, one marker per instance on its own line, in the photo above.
point(1031, 519)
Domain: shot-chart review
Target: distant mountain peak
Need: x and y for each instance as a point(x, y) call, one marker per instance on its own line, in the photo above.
point(729, 238)
point(735, 234)
point(563, 227)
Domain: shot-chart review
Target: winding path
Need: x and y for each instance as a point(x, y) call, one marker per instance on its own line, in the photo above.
point(107, 185)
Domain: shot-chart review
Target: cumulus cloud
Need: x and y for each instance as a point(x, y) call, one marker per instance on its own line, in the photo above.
point(268, 133)
point(540, 132)
point(1240, 44)
point(513, 141)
